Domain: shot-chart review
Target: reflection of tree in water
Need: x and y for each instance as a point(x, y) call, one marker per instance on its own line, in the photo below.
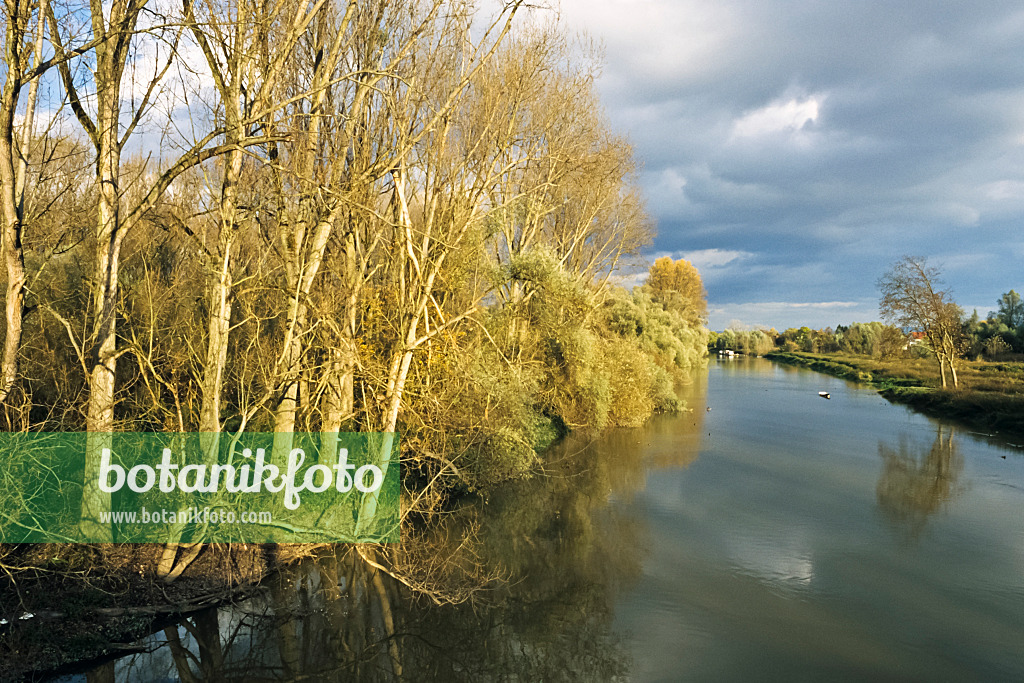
point(563, 556)
point(681, 433)
point(915, 483)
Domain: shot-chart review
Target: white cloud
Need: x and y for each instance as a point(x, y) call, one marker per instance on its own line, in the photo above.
point(1005, 189)
point(667, 192)
point(628, 280)
point(651, 40)
point(706, 259)
point(791, 115)
point(785, 314)
point(671, 180)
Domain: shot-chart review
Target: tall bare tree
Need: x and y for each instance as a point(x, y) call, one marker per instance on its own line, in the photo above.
point(249, 49)
point(911, 299)
point(23, 65)
point(109, 116)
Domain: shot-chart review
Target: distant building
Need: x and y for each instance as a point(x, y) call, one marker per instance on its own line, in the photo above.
point(916, 339)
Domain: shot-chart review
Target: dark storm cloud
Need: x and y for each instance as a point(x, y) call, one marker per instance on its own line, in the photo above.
point(816, 142)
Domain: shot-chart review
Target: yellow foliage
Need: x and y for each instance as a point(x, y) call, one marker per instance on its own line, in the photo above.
point(677, 284)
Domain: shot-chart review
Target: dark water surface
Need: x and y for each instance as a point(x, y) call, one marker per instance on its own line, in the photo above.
point(778, 536)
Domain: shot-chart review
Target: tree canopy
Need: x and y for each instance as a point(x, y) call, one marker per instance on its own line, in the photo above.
point(677, 285)
point(1011, 310)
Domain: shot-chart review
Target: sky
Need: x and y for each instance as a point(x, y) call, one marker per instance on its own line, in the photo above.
point(794, 149)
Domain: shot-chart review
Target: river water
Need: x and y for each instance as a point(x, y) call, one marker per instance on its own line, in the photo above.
point(767, 534)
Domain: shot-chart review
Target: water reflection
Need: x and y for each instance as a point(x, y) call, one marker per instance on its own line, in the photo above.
point(557, 558)
point(781, 559)
point(774, 552)
point(917, 481)
point(674, 442)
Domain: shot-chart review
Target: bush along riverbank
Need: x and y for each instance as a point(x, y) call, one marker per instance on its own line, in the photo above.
point(990, 396)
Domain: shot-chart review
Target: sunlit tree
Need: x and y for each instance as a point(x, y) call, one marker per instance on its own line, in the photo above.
point(912, 300)
point(677, 284)
point(1011, 310)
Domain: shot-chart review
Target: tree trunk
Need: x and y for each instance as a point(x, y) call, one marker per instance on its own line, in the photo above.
point(303, 271)
point(109, 234)
point(287, 408)
point(14, 260)
point(219, 324)
point(387, 616)
point(13, 174)
point(179, 655)
point(396, 386)
point(338, 401)
point(212, 383)
point(211, 654)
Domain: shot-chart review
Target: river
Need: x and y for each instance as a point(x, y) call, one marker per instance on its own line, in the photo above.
point(767, 534)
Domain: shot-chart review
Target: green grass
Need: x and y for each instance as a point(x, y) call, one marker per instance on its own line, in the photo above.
point(990, 395)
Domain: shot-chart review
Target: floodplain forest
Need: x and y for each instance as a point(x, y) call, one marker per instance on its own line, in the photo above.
point(225, 216)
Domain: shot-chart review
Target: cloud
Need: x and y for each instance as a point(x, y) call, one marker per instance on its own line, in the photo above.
point(706, 259)
point(822, 140)
point(789, 116)
point(785, 314)
point(1005, 190)
point(629, 280)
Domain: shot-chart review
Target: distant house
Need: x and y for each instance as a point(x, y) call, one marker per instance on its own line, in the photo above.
point(916, 339)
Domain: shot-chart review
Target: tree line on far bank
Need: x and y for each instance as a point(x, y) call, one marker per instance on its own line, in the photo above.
point(874, 339)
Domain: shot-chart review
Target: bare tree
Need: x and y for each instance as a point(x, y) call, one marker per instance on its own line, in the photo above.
point(438, 196)
point(17, 55)
point(23, 65)
point(569, 190)
point(109, 115)
point(249, 48)
point(911, 299)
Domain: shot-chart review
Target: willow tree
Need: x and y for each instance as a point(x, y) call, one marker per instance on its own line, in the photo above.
point(677, 284)
point(571, 192)
point(23, 65)
point(438, 197)
point(114, 29)
point(233, 37)
point(19, 56)
point(110, 100)
point(346, 59)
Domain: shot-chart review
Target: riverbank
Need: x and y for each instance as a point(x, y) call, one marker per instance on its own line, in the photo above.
point(990, 396)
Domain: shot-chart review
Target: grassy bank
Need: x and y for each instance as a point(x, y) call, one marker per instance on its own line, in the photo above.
point(990, 396)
